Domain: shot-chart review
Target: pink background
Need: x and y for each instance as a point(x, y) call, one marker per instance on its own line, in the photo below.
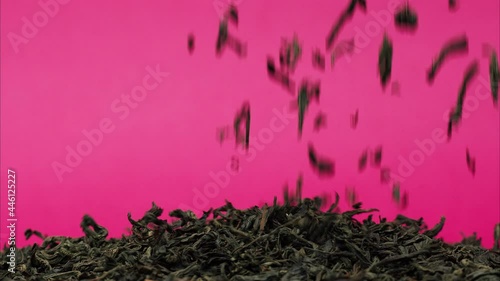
point(65, 78)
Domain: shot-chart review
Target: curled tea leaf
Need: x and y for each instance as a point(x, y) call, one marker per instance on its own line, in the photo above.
point(436, 229)
point(319, 121)
point(455, 45)
point(29, 232)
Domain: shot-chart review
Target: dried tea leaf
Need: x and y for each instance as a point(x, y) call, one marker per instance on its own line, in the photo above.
point(222, 37)
point(452, 4)
point(278, 76)
point(302, 103)
point(242, 119)
point(232, 14)
point(377, 156)
point(290, 54)
point(385, 175)
point(323, 166)
point(494, 77)
point(471, 162)
point(396, 192)
point(496, 237)
point(279, 242)
point(395, 88)
point(354, 119)
point(436, 229)
point(318, 60)
point(319, 121)
point(456, 112)
point(351, 195)
point(346, 15)
point(363, 160)
point(385, 60)
point(455, 45)
point(191, 43)
point(406, 17)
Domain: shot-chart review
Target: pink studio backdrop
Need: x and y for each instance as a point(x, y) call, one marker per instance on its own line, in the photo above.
point(69, 75)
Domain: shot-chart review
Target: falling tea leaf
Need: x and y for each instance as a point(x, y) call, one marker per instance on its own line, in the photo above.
point(347, 14)
point(363, 160)
point(279, 77)
point(354, 119)
point(494, 77)
point(396, 192)
point(307, 92)
point(191, 43)
point(385, 175)
point(456, 112)
point(222, 37)
point(471, 162)
point(385, 60)
point(406, 17)
point(243, 119)
point(455, 45)
point(351, 195)
point(404, 201)
point(318, 60)
point(223, 133)
point(401, 199)
point(225, 39)
point(232, 14)
point(319, 121)
point(290, 54)
point(377, 156)
point(323, 166)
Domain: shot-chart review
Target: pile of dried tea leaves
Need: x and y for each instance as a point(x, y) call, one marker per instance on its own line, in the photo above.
point(291, 241)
